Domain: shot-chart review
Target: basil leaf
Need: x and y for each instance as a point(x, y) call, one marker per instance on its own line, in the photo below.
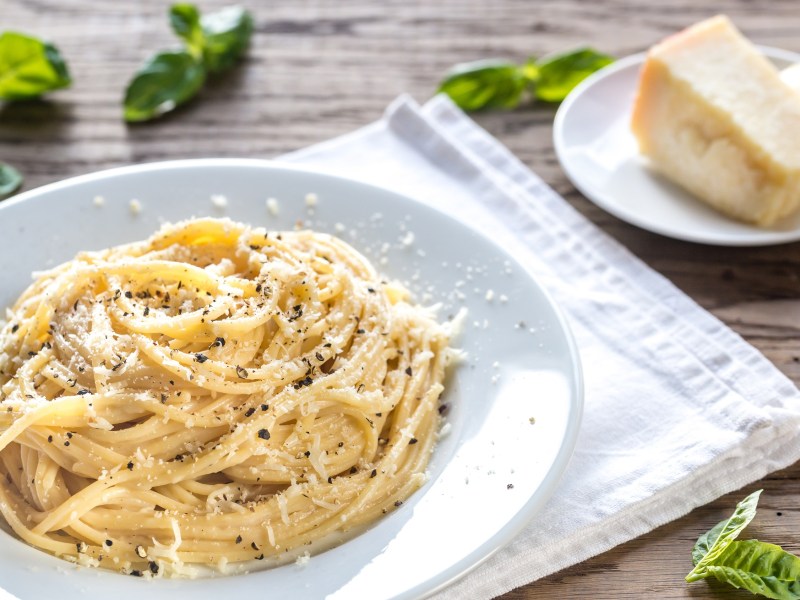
point(761, 558)
point(166, 81)
point(227, 35)
point(760, 568)
point(484, 84)
point(744, 513)
point(705, 541)
point(10, 180)
point(559, 74)
point(530, 71)
point(764, 585)
point(185, 20)
point(29, 67)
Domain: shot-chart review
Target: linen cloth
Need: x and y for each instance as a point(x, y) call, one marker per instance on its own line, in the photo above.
point(678, 408)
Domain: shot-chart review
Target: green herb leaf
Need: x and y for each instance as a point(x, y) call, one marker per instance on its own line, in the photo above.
point(560, 73)
point(760, 568)
point(744, 513)
point(29, 67)
point(227, 35)
point(10, 180)
point(705, 541)
point(185, 20)
point(530, 71)
point(166, 81)
point(484, 84)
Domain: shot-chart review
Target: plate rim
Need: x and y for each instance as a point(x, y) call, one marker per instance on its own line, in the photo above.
point(758, 237)
point(517, 523)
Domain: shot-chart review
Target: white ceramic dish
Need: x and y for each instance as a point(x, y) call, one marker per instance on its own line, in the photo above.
point(488, 476)
point(598, 152)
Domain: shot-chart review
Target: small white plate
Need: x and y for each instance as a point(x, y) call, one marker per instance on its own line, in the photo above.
point(599, 154)
point(488, 477)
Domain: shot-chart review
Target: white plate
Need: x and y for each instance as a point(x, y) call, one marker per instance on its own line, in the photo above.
point(514, 372)
point(599, 154)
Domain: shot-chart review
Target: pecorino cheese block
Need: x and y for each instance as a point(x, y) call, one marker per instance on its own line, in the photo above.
point(713, 115)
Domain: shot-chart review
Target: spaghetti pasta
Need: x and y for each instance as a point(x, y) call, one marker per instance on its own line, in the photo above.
point(215, 394)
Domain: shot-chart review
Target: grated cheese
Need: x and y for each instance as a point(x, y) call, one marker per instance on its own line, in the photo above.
point(219, 201)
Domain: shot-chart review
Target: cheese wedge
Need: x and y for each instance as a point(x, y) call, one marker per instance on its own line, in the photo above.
point(713, 115)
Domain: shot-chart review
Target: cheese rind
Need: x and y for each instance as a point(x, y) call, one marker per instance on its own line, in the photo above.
point(713, 115)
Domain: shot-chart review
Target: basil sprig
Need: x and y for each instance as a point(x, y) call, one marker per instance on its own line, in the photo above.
point(213, 43)
point(10, 180)
point(29, 67)
point(502, 84)
point(758, 567)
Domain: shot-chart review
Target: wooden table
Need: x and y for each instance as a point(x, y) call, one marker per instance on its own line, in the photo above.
point(321, 68)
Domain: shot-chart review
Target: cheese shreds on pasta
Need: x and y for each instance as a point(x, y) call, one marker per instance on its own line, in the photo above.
point(214, 395)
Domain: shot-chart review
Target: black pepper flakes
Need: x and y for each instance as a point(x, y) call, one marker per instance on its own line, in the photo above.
point(66, 443)
point(510, 486)
point(140, 552)
point(219, 342)
point(241, 372)
point(146, 311)
point(409, 371)
point(443, 408)
point(128, 295)
point(83, 392)
point(264, 407)
point(136, 573)
point(250, 412)
point(109, 543)
point(50, 438)
point(200, 357)
point(373, 474)
point(303, 382)
point(412, 441)
point(263, 434)
point(130, 466)
point(14, 328)
point(398, 503)
point(360, 331)
point(153, 567)
point(353, 469)
point(254, 547)
point(238, 539)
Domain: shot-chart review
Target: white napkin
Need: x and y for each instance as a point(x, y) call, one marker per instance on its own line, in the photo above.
point(679, 409)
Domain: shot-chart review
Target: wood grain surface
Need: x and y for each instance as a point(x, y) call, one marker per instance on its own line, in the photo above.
point(317, 69)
